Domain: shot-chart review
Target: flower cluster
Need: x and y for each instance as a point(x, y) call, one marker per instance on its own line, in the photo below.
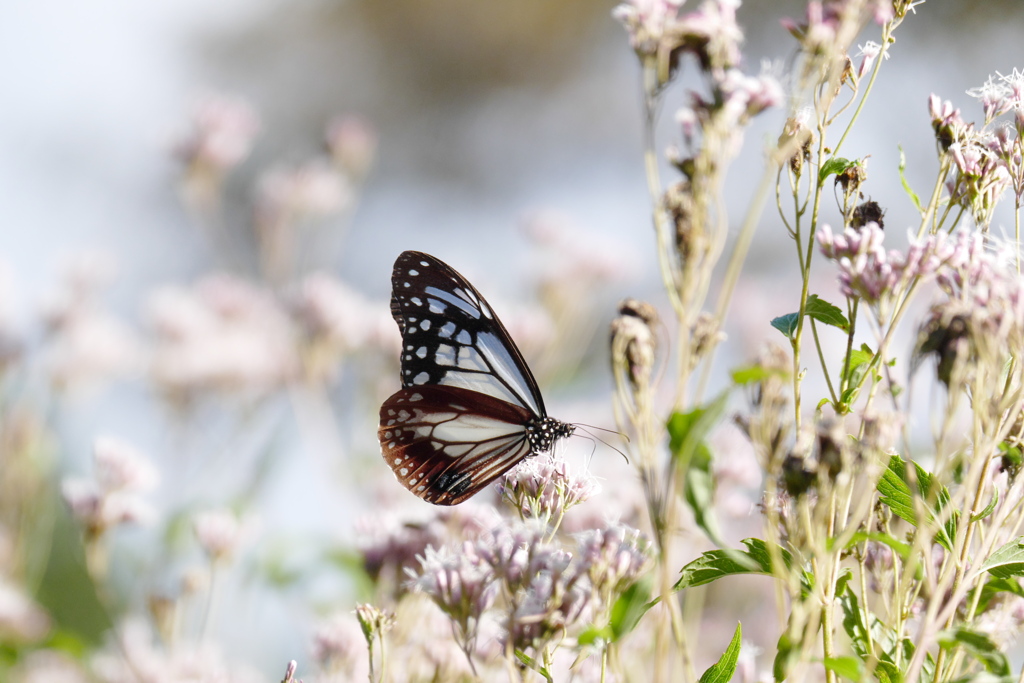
point(223, 334)
point(223, 129)
point(870, 273)
point(544, 487)
point(113, 496)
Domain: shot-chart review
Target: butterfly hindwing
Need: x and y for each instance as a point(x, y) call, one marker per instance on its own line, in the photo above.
point(451, 337)
point(446, 443)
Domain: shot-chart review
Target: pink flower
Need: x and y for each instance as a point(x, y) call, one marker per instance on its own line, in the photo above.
point(223, 128)
point(352, 143)
point(648, 23)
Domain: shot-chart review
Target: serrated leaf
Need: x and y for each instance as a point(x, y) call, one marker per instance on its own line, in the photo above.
point(826, 313)
point(835, 165)
point(906, 185)
point(847, 667)
point(715, 564)
point(1007, 561)
point(896, 494)
point(722, 670)
point(980, 646)
point(786, 324)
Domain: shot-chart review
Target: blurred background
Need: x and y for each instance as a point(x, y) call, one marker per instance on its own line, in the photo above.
point(504, 138)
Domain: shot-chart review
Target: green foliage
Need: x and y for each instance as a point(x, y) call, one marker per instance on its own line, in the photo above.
point(979, 646)
point(897, 494)
point(722, 670)
point(834, 166)
point(716, 564)
point(624, 615)
point(687, 433)
point(1007, 561)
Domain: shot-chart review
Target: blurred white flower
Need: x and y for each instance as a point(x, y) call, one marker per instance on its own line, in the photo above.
point(119, 466)
point(223, 334)
point(338, 643)
point(112, 496)
point(48, 666)
point(20, 618)
point(352, 143)
point(223, 129)
point(219, 533)
point(86, 345)
point(137, 660)
point(328, 310)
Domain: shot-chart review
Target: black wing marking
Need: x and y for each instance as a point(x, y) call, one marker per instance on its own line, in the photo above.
point(451, 337)
point(446, 443)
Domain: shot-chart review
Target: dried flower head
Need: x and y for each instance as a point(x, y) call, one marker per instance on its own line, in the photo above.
point(867, 212)
point(633, 341)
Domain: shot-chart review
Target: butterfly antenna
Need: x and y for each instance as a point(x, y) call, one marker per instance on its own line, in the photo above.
point(587, 429)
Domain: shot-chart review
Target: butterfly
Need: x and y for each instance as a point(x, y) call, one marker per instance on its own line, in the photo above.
point(469, 408)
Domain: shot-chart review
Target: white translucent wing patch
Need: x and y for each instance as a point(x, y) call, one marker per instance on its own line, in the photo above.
point(452, 337)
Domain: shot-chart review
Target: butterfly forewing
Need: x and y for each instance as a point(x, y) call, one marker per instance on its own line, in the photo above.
point(446, 443)
point(469, 408)
point(451, 337)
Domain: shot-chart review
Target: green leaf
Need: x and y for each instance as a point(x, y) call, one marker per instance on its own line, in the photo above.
point(899, 547)
point(725, 667)
point(785, 655)
point(629, 608)
point(994, 587)
point(847, 667)
point(826, 313)
point(906, 185)
point(988, 508)
point(530, 662)
point(860, 361)
point(979, 646)
point(692, 457)
point(853, 617)
point(756, 373)
point(1007, 561)
point(716, 564)
point(786, 324)
point(835, 165)
point(896, 494)
point(592, 634)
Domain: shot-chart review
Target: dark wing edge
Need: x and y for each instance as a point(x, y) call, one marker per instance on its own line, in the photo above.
point(409, 260)
point(447, 471)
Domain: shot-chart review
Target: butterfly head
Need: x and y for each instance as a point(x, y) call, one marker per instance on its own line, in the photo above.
point(544, 432)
